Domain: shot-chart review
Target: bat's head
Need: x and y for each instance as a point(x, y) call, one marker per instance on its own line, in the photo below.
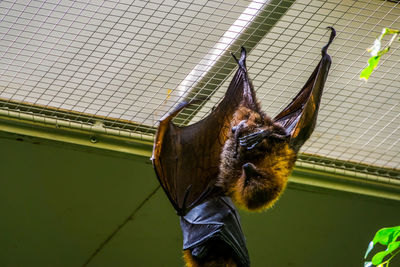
point(256, 160)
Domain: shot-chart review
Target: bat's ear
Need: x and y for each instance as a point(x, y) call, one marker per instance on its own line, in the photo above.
point(300, 116)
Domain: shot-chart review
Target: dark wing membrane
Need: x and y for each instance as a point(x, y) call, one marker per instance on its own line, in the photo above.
point(300, 116)
point(186, 159)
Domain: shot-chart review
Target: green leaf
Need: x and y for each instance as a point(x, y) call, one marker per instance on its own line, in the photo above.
point(378, 258)
point(376, 52)
point(386, 235)
point(372, 63)
point(391, 31)
point(396, 235)
point(393, 246)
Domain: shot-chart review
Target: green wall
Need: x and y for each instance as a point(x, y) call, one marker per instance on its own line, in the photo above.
point(60, 202)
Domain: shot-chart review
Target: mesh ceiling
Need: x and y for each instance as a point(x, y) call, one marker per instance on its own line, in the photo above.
point(124, 64)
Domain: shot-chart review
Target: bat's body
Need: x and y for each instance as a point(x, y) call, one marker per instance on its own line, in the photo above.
point(256, 177)
point(235, 152)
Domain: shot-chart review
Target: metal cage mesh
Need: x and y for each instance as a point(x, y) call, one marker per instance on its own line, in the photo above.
point(124, 64)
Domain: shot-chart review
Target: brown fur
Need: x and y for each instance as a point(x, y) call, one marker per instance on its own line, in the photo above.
point(272, 161)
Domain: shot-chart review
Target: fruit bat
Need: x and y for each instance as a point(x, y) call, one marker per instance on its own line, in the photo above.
point(260, 152)
point(237, 152)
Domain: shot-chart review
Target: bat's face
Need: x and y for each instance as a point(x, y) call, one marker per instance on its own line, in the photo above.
point(256, 160)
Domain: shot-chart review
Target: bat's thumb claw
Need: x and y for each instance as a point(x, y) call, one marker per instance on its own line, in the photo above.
point(333, 35)
point(243, 53)
point(234, 57)
point(242, 61)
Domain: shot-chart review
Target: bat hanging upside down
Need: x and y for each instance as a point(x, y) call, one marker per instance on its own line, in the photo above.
point(260, 152)
point(256, 159)
point(238, 153)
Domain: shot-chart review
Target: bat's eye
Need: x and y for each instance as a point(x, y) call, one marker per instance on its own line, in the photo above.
point(240, 126)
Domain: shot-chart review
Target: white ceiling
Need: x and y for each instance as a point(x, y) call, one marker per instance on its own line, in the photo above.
point(134, 60)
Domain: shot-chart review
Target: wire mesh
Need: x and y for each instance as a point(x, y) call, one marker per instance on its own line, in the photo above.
point(123, 63)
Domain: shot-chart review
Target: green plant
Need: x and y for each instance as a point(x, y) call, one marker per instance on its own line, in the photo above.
point(376, 52)
point(389, 237)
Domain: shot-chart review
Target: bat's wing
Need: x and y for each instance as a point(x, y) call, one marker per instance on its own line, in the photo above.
point(299, 117)
point(186, 159)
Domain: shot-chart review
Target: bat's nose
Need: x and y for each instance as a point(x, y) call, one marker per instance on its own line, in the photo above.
point(249, 169)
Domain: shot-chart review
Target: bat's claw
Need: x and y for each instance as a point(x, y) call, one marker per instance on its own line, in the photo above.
point(331, 37)
point(242, 60)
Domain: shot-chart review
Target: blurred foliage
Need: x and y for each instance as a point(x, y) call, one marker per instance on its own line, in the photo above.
point(388, 237)
point(377, 51)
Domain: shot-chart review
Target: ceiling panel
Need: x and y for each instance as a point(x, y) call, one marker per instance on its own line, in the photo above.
point(126, 63)
point(115, 59)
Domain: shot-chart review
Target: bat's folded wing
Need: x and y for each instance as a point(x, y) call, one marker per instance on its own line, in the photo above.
point(212, 221)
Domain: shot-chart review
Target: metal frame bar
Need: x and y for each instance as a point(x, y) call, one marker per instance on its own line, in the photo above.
point(303, 177)
point(42, 130)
